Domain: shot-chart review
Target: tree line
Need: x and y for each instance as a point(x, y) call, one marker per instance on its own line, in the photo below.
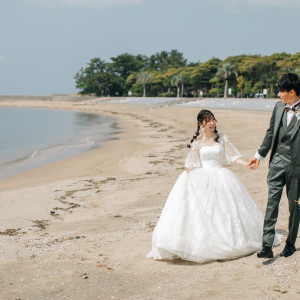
point(169, 74)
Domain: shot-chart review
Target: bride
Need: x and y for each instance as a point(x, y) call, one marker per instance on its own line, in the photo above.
point(209, 214)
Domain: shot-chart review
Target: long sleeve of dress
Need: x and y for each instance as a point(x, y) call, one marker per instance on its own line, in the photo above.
point(231, 154)
point(193, 157)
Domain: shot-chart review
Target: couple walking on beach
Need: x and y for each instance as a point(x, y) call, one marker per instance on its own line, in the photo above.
point(209, 214)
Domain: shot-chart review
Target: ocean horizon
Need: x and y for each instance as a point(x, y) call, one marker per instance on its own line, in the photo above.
point(34, 136)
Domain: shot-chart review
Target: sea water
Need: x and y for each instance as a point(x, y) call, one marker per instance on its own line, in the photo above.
point(30, 137)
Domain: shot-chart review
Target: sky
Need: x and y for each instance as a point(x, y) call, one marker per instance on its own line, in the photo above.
point(44, 43)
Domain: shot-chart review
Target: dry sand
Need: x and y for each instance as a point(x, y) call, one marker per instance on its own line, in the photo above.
point(81, 228)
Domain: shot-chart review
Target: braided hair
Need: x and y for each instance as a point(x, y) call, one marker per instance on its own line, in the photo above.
point(204, 115)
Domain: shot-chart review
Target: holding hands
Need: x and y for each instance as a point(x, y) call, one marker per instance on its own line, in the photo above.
point(253, 164)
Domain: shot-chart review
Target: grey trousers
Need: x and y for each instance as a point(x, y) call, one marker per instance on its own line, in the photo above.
point(281, 175)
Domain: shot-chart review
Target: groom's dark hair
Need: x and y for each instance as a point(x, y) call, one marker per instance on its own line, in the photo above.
point(289, 82)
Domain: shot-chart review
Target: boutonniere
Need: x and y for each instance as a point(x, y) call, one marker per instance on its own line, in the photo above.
point(297, 115)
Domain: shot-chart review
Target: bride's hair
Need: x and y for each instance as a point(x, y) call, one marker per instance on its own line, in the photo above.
point(204, 115)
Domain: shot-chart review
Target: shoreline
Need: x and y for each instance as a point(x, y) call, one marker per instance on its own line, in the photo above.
point(81, 228)
point(32, 176)
point(73, 133)
point(18, 178)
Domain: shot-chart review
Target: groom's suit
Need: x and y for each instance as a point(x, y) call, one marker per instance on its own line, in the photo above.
point(284, 170)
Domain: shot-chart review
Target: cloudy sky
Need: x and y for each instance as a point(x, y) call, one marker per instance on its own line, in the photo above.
point(45, 42)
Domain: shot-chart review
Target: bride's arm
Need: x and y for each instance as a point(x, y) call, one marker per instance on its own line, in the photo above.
point(192, 160)
point(241, 162)
point(191, 169)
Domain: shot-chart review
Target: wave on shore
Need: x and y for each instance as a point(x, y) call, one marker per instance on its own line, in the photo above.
point(36, 136)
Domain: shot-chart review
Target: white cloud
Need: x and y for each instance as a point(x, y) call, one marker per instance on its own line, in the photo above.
point(83, 2)
point(2, 57)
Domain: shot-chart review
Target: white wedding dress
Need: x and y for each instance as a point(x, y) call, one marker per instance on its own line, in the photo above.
point(209, 214)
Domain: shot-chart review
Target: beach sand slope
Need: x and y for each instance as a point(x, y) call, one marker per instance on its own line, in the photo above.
point(81, 228)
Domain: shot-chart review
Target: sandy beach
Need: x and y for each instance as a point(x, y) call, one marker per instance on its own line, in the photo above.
point(81, 228)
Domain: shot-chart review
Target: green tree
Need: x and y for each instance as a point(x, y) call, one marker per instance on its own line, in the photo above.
point(261, 71)
point(117, 77)
point(241, 84)
point(144, 78)
point(297, 71)
point(178, 80)
point(295, 59)
point(201, 75)
point(126, 64)
point(167, 79)
point(98, 79)
point(161, 61)
point(225, 71)
point(247, 88)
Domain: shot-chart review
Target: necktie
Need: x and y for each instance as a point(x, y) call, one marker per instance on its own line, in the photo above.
point(296, 107)
point(288, 109)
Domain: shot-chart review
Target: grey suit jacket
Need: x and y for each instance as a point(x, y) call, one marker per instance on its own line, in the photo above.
point(270, 138)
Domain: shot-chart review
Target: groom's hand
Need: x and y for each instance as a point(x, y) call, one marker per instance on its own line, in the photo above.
point(253, 164)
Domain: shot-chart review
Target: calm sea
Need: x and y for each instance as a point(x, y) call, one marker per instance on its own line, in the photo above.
point(30, 137)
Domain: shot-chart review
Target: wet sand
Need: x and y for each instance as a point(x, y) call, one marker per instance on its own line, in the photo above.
point(81, 228)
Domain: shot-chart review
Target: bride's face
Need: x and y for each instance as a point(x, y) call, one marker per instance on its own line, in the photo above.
point(209, 124)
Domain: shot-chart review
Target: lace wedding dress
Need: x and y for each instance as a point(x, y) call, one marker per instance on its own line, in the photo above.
point(209, 214)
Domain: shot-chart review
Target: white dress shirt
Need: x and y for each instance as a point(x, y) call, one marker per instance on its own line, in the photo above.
point(289, 116)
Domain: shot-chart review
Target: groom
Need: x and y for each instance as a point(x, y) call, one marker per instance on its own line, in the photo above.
point(283, 139)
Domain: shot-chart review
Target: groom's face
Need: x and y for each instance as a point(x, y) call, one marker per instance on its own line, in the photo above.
point(286, 96)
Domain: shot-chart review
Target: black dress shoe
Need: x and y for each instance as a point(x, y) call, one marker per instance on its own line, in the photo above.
point(288, 250)
point(266, 252)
